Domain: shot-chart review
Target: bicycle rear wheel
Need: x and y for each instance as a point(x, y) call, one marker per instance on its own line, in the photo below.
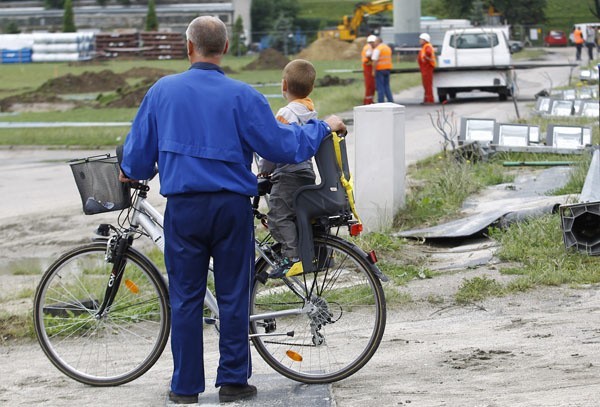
point(341, 323)
point(117, 347)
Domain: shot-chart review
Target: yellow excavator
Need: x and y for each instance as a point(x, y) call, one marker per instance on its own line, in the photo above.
point(349, 29)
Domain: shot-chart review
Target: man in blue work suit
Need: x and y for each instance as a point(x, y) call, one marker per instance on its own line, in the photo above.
point(202, 128)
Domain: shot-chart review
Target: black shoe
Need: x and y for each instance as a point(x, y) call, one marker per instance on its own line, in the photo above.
point(232, 392)
point(181, 399)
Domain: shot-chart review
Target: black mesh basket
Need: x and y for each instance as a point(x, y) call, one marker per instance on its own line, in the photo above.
point(98, 183)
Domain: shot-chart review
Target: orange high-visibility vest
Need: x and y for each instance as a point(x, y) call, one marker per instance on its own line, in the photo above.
point(385, 57)
point(427, 55)
point(366, 60)
point(578, 36)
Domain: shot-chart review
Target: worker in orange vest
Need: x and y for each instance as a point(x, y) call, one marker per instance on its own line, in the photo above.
point(382, 65)
point(578, 40)
point(367, 66)
point(426, 61)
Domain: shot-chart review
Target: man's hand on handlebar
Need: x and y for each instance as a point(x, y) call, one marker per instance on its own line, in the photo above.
point(124, 179)
point(336, 124)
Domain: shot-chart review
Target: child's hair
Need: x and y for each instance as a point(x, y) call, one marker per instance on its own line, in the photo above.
point(300, 76)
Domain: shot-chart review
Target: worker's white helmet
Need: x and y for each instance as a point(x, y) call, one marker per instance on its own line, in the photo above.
point(371, 38)
point(425, 37)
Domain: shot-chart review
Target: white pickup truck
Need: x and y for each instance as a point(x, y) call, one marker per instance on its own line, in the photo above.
point(474, 59)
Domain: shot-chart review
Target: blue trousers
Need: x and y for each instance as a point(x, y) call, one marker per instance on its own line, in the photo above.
point(197, 227)
point(382, 82)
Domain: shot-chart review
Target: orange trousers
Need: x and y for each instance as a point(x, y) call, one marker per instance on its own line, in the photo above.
point(369, 84)
point(427, 78)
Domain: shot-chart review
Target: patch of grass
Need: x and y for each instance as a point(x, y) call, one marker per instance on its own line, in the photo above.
point(477, 289)
point(395, 297)
point(403, 273)
point(25, 267)
point(15, 326)
point(441, 185)
point(537, 244)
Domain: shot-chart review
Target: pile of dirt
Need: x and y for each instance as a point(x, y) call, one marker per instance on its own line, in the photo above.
point(20, 102)
point(146, 72)
point(330, 49)
point(131, 96)
point(84, 83)
point(329, 80)
point(268, 59)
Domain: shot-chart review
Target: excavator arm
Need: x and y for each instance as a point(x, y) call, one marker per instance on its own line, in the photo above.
point(349, 29)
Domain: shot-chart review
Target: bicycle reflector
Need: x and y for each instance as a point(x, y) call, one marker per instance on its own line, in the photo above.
point(295, 356)
point(132, 286)
point(356, 229)
point(372, 256)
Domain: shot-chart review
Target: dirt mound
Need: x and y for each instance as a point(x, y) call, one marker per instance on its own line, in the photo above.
point(147, 72)
point(131, 96)
point(329, 49)
point(268, 59)
point(329, 80)
point(84, 83)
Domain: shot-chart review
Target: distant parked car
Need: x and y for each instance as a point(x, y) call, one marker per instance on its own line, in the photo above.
point(515, 46)
point(555, 38)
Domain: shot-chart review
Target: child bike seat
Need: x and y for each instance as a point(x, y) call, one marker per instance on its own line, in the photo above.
point(328, 198)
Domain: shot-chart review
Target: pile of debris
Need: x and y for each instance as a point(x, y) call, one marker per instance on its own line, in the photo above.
point(87, 82)
point(268, 59)
point(330, 49)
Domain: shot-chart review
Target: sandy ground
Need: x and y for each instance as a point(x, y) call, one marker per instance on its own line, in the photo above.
point(541, 348)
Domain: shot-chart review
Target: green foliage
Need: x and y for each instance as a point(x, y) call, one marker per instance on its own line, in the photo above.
point(15, 326)
point(477, 289)
point(266, 13)
point(524, 12)
point(478, 13)
point(11, 27)
point(538, 246)
point(54, 4)
point(238, 38)
point(441, 185)
point(151, 18)
point(69, 18)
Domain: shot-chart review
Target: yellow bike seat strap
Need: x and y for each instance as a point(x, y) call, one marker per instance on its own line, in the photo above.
point(346, 182)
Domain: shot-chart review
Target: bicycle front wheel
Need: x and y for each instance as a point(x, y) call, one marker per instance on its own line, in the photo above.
point(331, 326)
point(101, 350)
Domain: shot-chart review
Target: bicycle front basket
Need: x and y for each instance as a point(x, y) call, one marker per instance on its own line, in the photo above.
point(98, 183)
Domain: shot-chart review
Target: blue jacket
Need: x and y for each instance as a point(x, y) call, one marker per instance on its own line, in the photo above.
point(202, 128)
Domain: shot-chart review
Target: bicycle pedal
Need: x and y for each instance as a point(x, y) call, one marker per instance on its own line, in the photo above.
point(262, 277)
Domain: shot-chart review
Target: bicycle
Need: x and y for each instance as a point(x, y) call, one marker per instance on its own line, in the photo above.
point(101, 310)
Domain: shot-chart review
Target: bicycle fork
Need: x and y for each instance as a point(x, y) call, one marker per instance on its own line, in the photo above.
point(115, 253)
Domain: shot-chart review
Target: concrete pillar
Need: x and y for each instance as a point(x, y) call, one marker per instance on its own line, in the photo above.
point(407, 22)
point(379, 163)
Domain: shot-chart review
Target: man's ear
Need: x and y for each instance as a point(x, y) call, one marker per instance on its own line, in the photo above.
point(190, 48)
point(226, 47)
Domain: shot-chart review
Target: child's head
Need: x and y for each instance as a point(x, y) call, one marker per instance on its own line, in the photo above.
point(298, 79)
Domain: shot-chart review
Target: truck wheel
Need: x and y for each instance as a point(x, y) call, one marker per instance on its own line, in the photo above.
point(442, 95)
point(502, 96)
point(452, 95)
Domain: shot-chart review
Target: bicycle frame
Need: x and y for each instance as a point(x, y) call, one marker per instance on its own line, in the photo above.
point(150, 220)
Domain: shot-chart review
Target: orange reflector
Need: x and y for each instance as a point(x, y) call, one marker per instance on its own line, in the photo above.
point(356, 229)
point(132, 286)
point(296, 357)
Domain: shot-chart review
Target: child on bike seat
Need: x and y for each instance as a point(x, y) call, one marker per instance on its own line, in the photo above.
point(297, 83)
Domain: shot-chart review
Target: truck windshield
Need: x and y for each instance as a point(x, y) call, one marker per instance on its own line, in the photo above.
point(471, 41)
